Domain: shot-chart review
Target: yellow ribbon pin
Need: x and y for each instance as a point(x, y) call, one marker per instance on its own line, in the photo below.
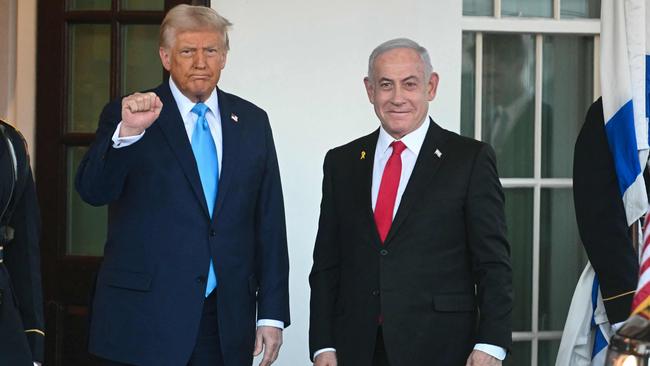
point(363, 155)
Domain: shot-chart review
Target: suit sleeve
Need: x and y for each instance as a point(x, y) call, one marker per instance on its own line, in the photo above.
point(490, 251)
point(103, 170)
point(272, 254)
point(601, 217)
point(24, 265)
point(325, 275)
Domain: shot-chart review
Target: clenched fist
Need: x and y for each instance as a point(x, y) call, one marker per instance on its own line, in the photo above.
point(139, 111)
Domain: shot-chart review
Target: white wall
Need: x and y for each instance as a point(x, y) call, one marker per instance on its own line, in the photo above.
point(303, 62)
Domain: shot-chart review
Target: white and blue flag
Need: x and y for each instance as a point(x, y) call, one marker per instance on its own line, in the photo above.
point(624, 45)
point(623, 54)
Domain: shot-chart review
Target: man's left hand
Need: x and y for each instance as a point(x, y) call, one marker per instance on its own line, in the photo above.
point(269, 339)
point(479, 358)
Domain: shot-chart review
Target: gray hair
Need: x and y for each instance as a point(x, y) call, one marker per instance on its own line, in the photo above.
point(184, 18)
point(400, 43)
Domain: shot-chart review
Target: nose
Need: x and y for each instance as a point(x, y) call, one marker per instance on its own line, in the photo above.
point(397, 98)
point(199, 60)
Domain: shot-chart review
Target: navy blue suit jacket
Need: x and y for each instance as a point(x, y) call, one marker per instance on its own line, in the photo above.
point(150, 286)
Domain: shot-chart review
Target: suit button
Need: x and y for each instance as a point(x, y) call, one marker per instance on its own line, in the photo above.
point(213, 232)
point(200, 279)
point(383, 252)
point(375, 292)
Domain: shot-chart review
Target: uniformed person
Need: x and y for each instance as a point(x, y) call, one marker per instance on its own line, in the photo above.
point(21, 302)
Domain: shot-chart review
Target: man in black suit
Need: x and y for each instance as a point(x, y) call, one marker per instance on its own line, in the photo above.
point(195, 268)
point(601, 217)
point(21, 299)
point(411, 241)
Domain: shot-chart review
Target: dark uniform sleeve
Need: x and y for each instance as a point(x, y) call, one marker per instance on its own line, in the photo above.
point(601, 217)
point(22, 254)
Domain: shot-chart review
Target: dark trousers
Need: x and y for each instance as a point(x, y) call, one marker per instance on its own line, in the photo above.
point(207, 350)
point(380, 358)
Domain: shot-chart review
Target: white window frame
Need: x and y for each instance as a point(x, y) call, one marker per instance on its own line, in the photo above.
point(537, 27)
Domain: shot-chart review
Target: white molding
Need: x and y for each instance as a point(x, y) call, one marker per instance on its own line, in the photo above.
point(532, 182)
point(531, 25)
point(478, 86)
point(556, 9)
point(596, 66)
point(497, 9)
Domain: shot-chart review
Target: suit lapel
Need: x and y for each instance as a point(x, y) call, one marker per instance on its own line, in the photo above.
point(171, 124)
point(426, 166)
point(231, 129)
point(362, 185)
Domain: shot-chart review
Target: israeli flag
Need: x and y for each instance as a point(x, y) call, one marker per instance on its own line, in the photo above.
point(623, 66)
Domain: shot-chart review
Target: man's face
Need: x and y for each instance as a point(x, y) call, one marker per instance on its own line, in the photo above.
point(195, 61)
point(399, 91)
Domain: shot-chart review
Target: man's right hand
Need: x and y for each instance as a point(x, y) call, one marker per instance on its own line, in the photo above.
point(325, 359)
point(139, 111)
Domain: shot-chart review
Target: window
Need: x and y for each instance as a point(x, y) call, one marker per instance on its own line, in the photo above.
point(526, 86)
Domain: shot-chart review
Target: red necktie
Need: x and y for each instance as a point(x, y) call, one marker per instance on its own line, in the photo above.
point(388, 190)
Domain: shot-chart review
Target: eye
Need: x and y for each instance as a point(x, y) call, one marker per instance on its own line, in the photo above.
point(385, 85)
point(410, 85)
point(186, 52)
point(212, 51)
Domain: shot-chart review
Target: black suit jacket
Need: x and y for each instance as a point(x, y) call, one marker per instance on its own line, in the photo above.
point(444, 259)
point(21, 299)
point(151, 284)
point(601, 217)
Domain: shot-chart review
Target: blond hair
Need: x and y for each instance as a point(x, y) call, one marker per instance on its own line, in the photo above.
point(187, 18)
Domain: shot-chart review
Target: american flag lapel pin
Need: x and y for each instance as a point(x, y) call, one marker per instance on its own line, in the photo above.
point(438, 153)
point(234, 117)
point(363, 155)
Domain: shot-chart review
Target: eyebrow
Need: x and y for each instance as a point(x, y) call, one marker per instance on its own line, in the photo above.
point(403, 80)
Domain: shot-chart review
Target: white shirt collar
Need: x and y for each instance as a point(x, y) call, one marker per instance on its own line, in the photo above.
point(412, 140)
point(185, 105)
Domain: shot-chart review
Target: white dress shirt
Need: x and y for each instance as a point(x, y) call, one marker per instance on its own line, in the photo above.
point(213, 117)
point(383, 151)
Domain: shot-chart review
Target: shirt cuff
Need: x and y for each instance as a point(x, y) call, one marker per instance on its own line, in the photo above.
point(617, 326)
point(270, 323)
point(495, 351)
point(323, 350)
point(119, 142)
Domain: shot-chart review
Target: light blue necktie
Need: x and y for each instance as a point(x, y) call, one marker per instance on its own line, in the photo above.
point(205, 153)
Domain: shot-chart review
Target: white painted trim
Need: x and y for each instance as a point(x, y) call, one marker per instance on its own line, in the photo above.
point(531, 25)
point(478, 86)
point(556, 9)
point(596, 66)
point(532, 182)
point(497, 9)
point(543, 335)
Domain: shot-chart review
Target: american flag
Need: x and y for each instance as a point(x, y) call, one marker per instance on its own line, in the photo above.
point(642, 296)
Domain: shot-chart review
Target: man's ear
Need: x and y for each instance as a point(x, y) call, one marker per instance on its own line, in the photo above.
point(370, 90)
point(432, 86)
point(165, 58)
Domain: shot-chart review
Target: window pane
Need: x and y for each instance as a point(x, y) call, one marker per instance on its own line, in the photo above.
point(562, 257)
point(143, 4)
point(89, 74)
point(141, 67)
point(478, 7)
point(86, 230)
point(567, 92)
point(519, 217)
point(509, 101)
point(580, 9)
point(89, 5)
point(548, 352)
point(520, 355)
point(527, 8)
point(467, 85)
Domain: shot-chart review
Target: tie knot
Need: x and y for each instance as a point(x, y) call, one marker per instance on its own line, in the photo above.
point(398, 147)
point(200, 109)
